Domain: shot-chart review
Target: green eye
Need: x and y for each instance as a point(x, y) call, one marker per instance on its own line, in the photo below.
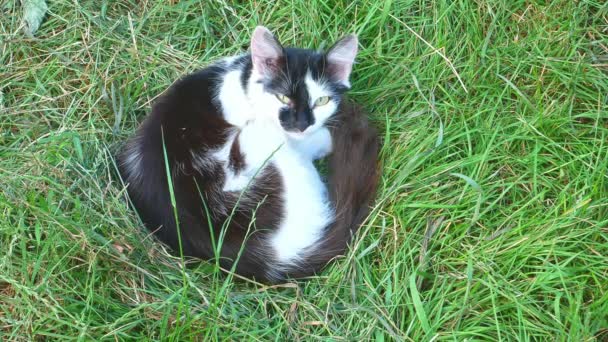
point(283, 98)
point(322, 101)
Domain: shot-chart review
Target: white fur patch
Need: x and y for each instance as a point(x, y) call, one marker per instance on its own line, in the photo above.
point(307, 209)
point(262, 103)
point(321, 113)
point(258, 142)
point(235, 105)
point(132, 161)
point(231, 181)
point(229, 60)
point(313, 146)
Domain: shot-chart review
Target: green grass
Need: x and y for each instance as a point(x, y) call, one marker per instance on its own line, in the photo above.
point(492, 217)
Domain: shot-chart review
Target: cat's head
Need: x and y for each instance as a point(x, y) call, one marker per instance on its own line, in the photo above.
point(299, 88)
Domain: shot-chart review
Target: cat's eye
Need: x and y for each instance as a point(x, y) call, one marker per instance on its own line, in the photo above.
point(283, 98)
point(321, 101)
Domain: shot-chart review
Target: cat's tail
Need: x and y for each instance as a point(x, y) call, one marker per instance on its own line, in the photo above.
point(353, 180)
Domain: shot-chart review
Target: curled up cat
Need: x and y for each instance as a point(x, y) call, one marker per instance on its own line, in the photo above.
point(234, 144)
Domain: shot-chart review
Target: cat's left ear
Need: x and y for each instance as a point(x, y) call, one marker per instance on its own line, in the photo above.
point(340, 58)
point(266, 52)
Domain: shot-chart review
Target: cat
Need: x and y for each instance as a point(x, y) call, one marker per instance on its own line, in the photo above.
point(233, 146)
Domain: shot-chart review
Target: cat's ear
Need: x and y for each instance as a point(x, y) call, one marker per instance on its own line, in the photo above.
point(266, 51)
point(340, 58)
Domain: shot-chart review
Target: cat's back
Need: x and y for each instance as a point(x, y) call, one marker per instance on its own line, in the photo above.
point(187, 117)
point(189, 100)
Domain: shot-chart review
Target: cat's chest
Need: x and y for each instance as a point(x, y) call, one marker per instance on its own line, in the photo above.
point(260, 143)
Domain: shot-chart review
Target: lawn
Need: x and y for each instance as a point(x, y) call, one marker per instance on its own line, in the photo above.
point(491, 221)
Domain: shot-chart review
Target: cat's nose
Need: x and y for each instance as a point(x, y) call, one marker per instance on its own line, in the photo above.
point(303, 119)
point(302, 125)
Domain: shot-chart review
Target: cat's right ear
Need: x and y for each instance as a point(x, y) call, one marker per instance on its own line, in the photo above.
point(266, 52)
point(341, 57)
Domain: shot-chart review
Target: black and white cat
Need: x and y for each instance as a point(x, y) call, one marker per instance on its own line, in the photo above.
point(238, 140)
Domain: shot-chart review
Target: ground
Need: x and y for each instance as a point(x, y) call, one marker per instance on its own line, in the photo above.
point(491, 221)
